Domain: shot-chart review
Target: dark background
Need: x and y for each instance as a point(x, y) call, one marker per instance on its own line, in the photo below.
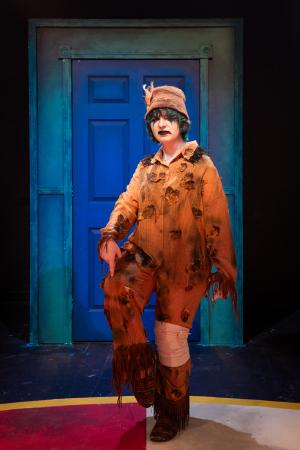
point(270, 143)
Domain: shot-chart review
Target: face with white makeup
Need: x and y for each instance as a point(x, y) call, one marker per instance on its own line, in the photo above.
point(166, 125)
point(165, 130)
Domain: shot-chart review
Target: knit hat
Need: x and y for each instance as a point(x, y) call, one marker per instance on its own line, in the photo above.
point(164, 97)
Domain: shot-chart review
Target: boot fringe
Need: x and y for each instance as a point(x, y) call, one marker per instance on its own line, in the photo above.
point(128, 362)
point(177, 410)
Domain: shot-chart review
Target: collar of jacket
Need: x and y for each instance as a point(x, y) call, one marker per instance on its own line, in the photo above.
point(187, 152)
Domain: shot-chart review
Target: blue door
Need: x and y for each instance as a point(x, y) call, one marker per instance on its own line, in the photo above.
point(109, 139)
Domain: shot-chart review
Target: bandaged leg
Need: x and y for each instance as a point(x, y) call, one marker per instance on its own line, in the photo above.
point(171, 343)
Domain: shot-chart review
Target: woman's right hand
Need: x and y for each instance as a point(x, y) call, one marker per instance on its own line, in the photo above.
point(110, 252)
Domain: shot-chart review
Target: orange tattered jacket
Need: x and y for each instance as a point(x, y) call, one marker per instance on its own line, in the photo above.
point(182, 218)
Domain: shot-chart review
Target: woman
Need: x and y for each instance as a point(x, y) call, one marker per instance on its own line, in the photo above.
point(183, 228)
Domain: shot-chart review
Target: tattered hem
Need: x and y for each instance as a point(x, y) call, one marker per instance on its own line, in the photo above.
point(128, 364)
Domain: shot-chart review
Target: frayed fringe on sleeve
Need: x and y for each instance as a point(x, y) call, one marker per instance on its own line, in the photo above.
point(218, 281)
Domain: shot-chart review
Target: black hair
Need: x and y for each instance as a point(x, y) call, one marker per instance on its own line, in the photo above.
point(183, 122)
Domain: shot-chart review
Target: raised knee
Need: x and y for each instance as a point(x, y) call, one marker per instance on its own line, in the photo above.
point(120, 310)
point(110, 284)
point(120, 302)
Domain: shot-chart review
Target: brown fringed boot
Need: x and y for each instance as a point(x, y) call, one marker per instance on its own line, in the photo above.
point(172, 402)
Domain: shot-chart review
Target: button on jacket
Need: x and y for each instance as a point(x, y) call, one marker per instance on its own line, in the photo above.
point(182, 219)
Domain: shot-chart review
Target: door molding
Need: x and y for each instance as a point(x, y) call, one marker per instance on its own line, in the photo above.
point(66, 54)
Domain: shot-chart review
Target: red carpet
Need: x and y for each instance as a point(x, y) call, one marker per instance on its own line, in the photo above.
point(74, 427)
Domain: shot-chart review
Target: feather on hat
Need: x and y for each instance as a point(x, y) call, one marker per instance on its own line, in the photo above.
point(148, 93)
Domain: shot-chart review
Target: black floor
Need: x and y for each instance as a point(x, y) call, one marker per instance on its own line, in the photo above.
point(266, 368)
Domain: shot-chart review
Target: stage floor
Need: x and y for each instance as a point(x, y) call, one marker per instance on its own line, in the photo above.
point(60, 397)
point(97, 423)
